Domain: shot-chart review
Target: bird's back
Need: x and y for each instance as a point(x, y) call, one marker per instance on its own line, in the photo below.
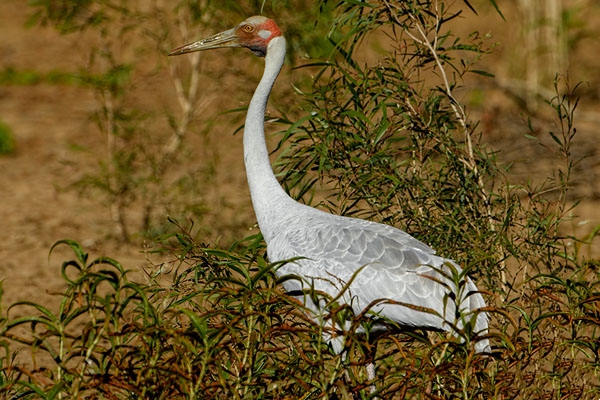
point(373, 264)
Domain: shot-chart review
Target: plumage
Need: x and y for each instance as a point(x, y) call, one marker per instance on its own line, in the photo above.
point(379, 262)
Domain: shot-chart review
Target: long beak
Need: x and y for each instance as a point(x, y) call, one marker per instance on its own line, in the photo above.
point(223, 39)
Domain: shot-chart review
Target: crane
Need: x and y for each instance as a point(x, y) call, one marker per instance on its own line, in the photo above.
point(360, 263)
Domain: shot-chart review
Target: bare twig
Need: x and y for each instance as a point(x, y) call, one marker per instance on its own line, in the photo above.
point(187, 101)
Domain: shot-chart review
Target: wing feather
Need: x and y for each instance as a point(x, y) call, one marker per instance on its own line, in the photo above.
point(382, 262)
point(388, 263)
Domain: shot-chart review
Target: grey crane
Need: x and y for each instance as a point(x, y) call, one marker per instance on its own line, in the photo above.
point(364, 260)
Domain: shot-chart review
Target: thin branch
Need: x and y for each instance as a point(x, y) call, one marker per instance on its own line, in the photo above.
point(459, 111)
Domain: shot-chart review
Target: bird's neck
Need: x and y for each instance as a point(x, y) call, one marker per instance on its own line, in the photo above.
point(267, 194)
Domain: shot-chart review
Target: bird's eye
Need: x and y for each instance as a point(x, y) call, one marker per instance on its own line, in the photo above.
point(248, 28)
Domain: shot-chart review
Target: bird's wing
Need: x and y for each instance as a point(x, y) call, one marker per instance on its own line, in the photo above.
point(381, 261)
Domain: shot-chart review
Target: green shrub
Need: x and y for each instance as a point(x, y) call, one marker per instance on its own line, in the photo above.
point(7, 139)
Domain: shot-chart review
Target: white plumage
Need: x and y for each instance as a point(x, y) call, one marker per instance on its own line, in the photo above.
point(379, 261)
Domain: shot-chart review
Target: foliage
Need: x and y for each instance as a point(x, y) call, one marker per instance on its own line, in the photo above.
point(7, 139)
point(389, 141)
point(385, 140)
point(220, 329)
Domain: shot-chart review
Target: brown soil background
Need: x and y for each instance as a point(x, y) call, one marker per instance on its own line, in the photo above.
point(47, 119)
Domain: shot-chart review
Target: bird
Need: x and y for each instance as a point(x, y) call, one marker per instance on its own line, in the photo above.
point(359, 263)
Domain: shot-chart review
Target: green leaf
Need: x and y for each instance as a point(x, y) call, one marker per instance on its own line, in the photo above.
point(482, 73)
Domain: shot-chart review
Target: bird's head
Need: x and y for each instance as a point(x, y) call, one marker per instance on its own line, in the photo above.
point(254, 33)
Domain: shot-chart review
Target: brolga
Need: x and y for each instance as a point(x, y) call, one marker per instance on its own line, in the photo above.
point(360, 263)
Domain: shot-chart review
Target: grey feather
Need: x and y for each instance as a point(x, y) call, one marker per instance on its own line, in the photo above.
point(381, 263)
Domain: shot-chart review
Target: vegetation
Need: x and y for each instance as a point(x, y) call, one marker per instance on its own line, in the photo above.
point(7, 139)
point(386, 140)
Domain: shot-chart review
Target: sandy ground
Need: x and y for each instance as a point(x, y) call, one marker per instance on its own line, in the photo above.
point(47, 120)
